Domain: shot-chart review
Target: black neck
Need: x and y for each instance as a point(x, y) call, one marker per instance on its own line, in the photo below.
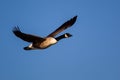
point(60, 37)
point(66, 35)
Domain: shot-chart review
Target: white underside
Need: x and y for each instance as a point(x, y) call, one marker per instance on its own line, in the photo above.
point(48, 42)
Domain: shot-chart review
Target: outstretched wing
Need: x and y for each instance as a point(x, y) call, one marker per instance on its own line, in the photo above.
point(26, 37)
point(64, 26)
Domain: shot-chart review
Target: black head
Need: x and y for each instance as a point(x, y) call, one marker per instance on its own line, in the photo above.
point(67, 35)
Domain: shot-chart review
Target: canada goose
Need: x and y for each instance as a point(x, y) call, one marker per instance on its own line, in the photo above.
point(42, 43)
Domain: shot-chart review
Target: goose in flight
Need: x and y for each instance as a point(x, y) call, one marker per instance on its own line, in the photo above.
point(37, 42)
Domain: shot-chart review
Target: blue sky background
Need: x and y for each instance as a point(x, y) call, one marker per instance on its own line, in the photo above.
point(93, 53)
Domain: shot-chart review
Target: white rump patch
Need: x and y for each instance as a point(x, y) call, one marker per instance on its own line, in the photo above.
point(30, 46)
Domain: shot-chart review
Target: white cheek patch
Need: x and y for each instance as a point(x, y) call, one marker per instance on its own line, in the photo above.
point(66, 35)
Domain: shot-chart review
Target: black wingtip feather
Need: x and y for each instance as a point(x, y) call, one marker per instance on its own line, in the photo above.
point(73, 20)
point(16, 31)
point(16, 28)
point(70, 22)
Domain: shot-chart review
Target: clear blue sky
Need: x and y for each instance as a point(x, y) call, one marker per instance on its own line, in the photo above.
point(93, 53)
